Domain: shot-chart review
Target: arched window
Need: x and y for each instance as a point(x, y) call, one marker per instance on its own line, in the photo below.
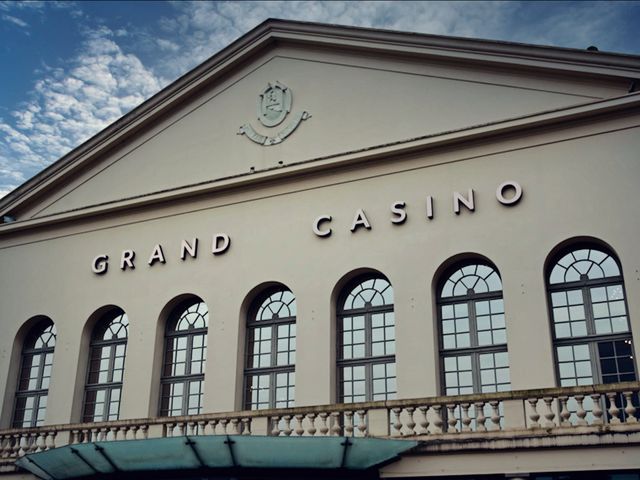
point(591, 327)
point(106, 367)
point(182, 381)
point(473, 336)
point(366, 341)
point(35, 372)
point(271, 352)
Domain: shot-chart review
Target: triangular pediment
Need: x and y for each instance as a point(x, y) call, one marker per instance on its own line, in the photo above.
point(334, 90)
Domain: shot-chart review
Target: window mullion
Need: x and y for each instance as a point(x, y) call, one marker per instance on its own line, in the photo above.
point(43, 360)
point(473, 330)
point(274, 344)
point(588, 311)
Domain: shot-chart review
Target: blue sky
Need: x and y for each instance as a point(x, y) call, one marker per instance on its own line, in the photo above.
point(68, 69)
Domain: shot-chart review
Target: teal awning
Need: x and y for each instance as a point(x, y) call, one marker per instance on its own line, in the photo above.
point(224, 454)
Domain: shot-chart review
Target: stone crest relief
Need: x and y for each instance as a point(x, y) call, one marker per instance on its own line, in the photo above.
point(274, 104)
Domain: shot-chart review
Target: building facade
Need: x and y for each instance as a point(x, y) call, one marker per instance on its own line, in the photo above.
point(339, 232)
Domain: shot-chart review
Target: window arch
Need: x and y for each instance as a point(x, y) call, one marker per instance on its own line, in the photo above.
point(35, 372)
point(366, 341)
point(269, 375)
point(589, 315)
point(473, 336)
point(182, 381)
point(107, 353)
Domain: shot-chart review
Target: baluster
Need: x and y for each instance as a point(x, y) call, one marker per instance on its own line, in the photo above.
point(16, 445)
point(614, 411)
point(411, 423)
point(50, 440)
point(597, 409)
point(324, 429)
point(182, 429)
point(495, 414)
point(124, 432)
point(32, 442)
point(437, 420)
point(168, 432)
point(113, 433)
point(189, 428)
point(629, 409)
point(224, 423)
point(581, 413)
point(201, 425)
point(362, 423)
point(466, 419)
point(565, 414)
point(336, 429)
point(23, 445)
point(8, 447)
point(397, 423)
point(451, 418)
point(312, 424)
point(348, 424)
point(423, 420)
point(287, 425)
point(235, 430)
point(132, 433)
point(534, 416)
point(549, 415)
point(211, 426)
point(299, 428)
point(40, 440)
point(246, 426)
point(275, 431)
point(145, 431)
point(103, 434)
point(5, 443)
point(481, 419)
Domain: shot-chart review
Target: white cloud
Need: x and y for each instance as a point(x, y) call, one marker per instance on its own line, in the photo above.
point(68, 106)
point(15, 20)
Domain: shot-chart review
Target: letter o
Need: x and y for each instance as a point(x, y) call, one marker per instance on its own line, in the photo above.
point(509, 201)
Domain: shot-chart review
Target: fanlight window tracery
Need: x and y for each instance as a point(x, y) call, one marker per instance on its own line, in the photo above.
point(366, 341)
point(35, 373)
point(182, 382)
point(476, 278)
point(473, 335)
point(584, 264)
point(106, 368)
point(590, 318)
point(590, 321)
point(271, 351)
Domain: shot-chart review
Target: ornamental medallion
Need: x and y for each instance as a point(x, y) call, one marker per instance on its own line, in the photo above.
point(274, 104)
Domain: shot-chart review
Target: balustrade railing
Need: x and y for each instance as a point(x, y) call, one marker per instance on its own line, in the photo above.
point(567, 410)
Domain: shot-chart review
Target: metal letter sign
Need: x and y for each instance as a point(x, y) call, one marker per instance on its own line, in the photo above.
point(274, 103)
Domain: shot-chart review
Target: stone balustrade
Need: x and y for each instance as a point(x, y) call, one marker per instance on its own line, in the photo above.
point(558, 411)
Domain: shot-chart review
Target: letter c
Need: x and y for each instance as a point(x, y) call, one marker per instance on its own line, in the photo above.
point(316, 226)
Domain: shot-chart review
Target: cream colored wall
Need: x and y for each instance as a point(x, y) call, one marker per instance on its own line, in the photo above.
point(577, 181)
point(356, 101)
